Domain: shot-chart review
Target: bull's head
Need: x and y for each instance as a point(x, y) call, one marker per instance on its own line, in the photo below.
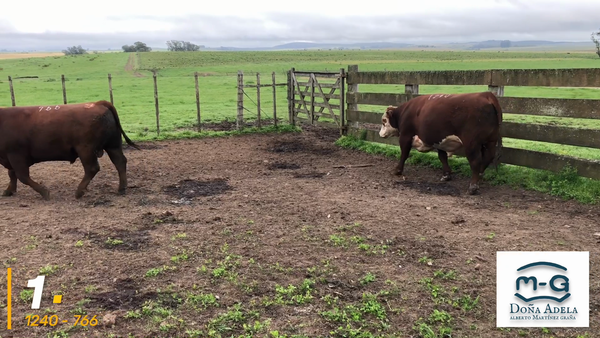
point(387, 129)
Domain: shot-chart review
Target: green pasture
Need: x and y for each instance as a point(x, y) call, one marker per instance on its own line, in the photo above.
point(134, 94)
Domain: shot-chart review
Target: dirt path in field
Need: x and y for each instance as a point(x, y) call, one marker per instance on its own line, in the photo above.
point(130, 66)
point(208, 224)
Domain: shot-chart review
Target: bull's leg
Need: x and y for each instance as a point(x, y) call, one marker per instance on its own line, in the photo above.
point(21, 170)
point(475, 162)
point(447, 172)
point(120, 161)
point(405, 147)
point(91, 167)
point(12, 185)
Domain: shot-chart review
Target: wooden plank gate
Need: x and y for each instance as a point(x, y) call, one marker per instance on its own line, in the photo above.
point(302, 103)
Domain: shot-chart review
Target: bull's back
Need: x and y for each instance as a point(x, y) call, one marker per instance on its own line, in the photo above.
point(440, 115)
point(52, 131)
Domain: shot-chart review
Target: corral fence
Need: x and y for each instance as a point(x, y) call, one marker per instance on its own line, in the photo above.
point(333, 99)
point(259, 112)
point(242, 94)
point(496, 80)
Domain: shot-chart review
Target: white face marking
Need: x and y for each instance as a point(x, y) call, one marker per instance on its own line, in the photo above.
point(386, 129)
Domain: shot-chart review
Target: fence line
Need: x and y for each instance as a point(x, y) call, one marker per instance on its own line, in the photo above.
point(496, 80)
point(241, 93)
point(351, 116)
point(196, 75)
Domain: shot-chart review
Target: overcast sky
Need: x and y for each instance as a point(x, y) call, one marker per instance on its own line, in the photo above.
point(42, 24)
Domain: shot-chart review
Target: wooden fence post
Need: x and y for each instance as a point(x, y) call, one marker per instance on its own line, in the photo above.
point(290, 96)
point(411, 90)
point(274, 101)
point(197, 101)
point(497, 90)
point(312, 81)
point(110, 88)
point(258, 99)
point(342, 102)
point(240, 100)
point(156, 103)
point(12, 91)
point(352, 89)
point(64, 89)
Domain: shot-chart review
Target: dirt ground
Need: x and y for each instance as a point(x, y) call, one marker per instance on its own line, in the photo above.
point(213, 232)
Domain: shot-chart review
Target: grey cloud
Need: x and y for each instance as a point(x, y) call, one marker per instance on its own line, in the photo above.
point(548, 22)
point(6, 27)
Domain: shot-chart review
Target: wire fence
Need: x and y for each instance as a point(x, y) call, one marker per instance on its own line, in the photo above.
point(190, 102)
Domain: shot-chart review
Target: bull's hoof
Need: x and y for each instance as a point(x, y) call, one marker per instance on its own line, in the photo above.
point(79, 194)
point(446, 177)
point(473, 189)
point(122, 191)
point(7, 193)
point(46, 195)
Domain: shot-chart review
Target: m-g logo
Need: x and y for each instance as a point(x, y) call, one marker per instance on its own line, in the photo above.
point(542, 289)
point(563, 286)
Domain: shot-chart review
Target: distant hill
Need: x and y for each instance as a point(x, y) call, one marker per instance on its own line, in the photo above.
point(312, 45)
point(538, 45)
point(513, 44)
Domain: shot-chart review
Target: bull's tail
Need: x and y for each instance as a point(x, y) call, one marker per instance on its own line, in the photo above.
point(113, 110)
point(496, 161)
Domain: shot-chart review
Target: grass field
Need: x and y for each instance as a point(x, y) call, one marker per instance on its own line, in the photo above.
point(134, 97)
point(133, 84)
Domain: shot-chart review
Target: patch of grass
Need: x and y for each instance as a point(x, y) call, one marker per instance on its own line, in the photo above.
point(181, 235)
point(183, 256)
point(565, 184)
point(157, 271)
point(49, 269)
point(292, 294)
point(26, 295)
point(113, 242)
point(367, 279)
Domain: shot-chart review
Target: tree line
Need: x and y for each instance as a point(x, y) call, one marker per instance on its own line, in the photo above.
point(138, 46)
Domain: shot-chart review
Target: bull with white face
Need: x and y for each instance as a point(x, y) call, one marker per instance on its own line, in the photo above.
point(462, 124)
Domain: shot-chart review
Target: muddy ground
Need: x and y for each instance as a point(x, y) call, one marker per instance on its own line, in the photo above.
point(213, 232)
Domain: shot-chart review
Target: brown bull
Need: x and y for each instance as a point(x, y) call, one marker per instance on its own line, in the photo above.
point(464, 124)
point(30, 135)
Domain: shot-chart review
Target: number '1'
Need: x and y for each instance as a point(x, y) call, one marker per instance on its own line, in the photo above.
point(38, 285)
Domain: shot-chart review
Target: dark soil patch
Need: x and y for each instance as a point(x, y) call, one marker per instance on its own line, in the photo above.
point(300, 147)
point(283, 165)
point(192, 188)
point(313, 174)
point(440, 189)
point(150, 220)
point(122, 240)
point(124, 296)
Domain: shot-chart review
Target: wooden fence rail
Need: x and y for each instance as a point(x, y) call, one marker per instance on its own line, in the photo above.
point(496, 80)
